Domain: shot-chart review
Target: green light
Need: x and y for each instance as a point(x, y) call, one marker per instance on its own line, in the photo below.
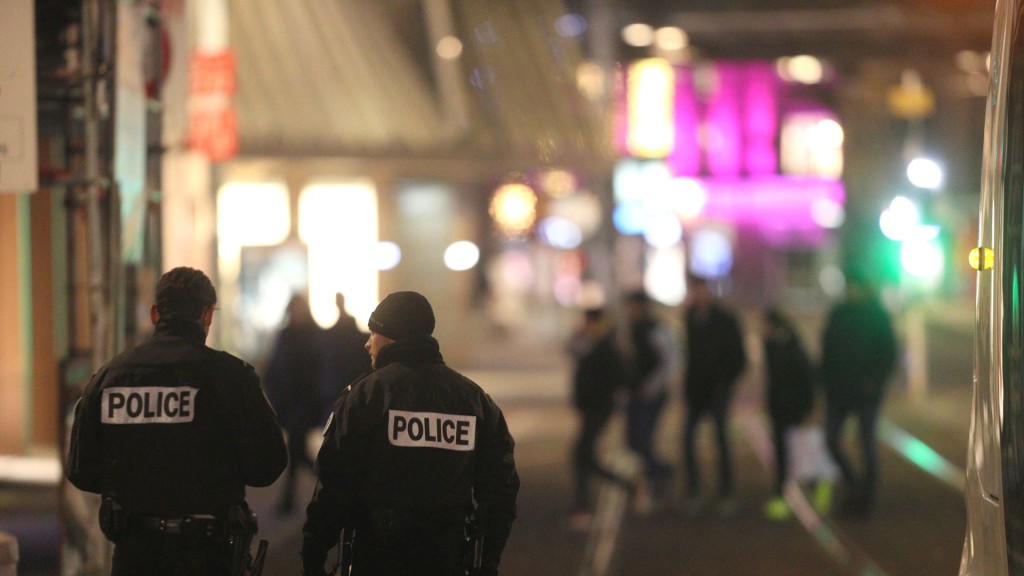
point(921, 455)
point(898, 221)
point(922, 258)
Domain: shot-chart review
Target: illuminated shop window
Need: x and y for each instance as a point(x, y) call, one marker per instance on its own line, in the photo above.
point(338, 222)
point(811, 144)
point(650, 102)
point(253, 214)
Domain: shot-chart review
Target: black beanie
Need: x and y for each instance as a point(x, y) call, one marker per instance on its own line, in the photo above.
point(401, 315)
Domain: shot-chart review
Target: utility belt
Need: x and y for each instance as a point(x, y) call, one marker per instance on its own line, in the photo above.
point(197, 525)
point(405, 529)
point(235, 530)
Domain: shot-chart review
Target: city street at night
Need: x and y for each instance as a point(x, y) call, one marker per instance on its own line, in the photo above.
point(917, 527)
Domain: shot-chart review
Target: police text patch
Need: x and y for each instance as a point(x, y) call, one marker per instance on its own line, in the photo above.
point(155, 405)
point(432, 430)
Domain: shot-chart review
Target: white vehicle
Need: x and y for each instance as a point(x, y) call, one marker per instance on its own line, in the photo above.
point(994, 489)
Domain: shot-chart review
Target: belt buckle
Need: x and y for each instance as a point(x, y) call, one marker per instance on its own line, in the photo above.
point(170, 526)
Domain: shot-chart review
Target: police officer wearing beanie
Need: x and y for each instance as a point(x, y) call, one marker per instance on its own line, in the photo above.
point(411, 451)
point(170, 433)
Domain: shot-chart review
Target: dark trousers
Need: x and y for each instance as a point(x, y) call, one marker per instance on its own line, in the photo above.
point(780, 432)
point(718, 410)
point(152, 554)
point(866, 411)
point(584, 457)
point(418, 546)
point(642, 417)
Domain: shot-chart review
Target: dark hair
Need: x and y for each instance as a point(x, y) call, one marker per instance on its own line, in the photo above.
point(184, 293)
point(638, 297)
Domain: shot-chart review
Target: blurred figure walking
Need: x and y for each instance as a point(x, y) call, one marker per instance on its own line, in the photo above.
point(858, 357)
point(344, 358)
point(789, 397)
point(653, 362)
point(599, 373)
point(291, 384)
point(715, 358)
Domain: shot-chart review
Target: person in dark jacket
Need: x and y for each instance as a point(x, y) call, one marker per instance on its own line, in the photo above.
point(653, 362)
point(170, 433)
point(789, 397)
point(410, 452)
point(291, 380)
point(858, 357)
point(600, 371)
point(344, 356)
point(715, 358)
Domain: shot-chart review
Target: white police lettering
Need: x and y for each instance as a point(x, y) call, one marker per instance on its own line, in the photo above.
point(155, 405)
point(432, 430)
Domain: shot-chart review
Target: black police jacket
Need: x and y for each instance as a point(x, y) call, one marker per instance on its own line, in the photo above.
point(173, 428)
point(417, 438)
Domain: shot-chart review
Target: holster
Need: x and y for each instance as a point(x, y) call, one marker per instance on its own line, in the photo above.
point(473, 546)
point(113, 518)
point(241, 526)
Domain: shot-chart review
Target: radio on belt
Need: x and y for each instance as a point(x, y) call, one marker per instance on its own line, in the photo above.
point(432, 430)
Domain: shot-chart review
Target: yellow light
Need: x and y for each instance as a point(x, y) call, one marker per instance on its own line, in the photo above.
point(638, 35)
point(449, 48)
point(253, 213)
point(651, 97)
point(982, 258)
point(514, 208)
point(804, 69)
point(338, 223)
point(558, 183)
point(671, 38)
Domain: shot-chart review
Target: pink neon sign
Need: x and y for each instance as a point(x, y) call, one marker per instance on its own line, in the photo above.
point(726, 127)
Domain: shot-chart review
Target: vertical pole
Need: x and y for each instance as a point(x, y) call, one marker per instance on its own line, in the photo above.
point(94, 214)
point(602, 41)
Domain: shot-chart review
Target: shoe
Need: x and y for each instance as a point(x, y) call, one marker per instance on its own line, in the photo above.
point(728, 507)
point(823, 497)
point(777, 509)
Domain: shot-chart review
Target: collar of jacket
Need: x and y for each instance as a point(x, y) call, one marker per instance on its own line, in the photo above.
point(417, 349)
point(188, 329)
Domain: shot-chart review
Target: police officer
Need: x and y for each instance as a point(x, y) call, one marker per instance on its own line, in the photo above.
point(170, 433)
point(410, 452)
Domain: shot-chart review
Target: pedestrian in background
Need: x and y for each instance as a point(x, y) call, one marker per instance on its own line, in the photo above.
point(789, 396)
point(417, 460)
point(858, 357)
point(170, 433)
point(599, 373)
point(344, 358)
point(652, 364)
point(715, 358)
point(291, 383)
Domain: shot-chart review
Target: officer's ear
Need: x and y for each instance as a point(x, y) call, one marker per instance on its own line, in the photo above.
point(154, 314)
point(207, 318)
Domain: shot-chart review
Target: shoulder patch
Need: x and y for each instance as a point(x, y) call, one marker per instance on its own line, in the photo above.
point(432, 430)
